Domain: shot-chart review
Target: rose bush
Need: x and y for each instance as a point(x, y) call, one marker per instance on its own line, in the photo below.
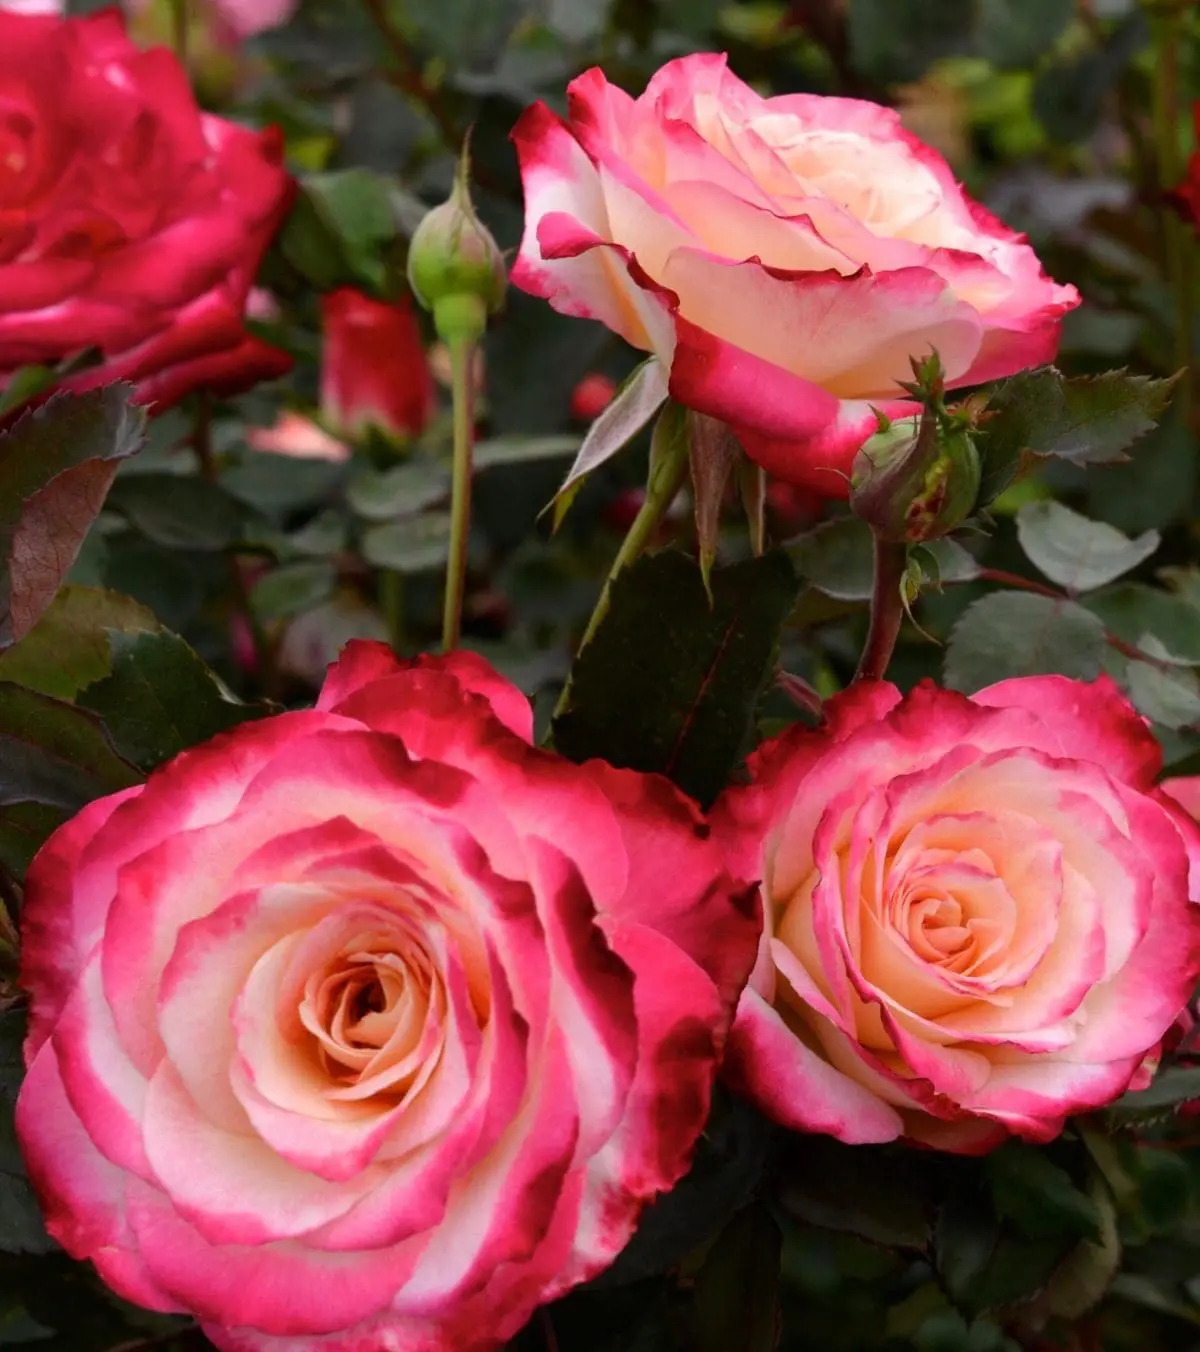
point(784, 258)
point(374, 371)
point(371, 1026)
point(979, 917)
point(130, 221)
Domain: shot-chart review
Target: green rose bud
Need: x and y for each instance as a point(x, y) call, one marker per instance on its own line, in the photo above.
point(916, 485)
point(455, 268)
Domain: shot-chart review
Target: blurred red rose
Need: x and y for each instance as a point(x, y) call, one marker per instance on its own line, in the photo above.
point(592, 396)
point(374, 371)
point(1186, 196)
point(131, 222)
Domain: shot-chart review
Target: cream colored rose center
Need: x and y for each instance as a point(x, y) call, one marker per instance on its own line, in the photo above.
point(374, 1012)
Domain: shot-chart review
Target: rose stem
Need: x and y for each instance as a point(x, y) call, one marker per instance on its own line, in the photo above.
point(887, 610)
point(667, 472)
point(391, 593)
point(1165, 20)
point(179, 30)
point(462, 359)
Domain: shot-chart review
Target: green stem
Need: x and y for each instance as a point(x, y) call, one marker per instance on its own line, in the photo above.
point(462, 359)
point(179, 29)
point(667, 474)
point(391, 589)
point(887, 611)
point(1166, 24)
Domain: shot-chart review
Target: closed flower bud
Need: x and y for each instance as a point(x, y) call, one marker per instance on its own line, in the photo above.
point(910, 486)
point(374, 372)
point(455, 267)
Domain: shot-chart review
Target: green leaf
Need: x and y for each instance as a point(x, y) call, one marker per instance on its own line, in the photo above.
point(1079, 554)
point(1153, 489)
point(1017, 634)
point(24, 829)
point(1038, 1195)
point(836, 558)
point(403, 490)
point(54, 759)
point(983, 1265)
point(25, 383)
point(639, 398)
point(293, 588)
point(415, 544)
point(470, 34)
point(57, 463)
point(726, 1170)
point(324, 535)
point(161, 699)
point(281, 483)
point(898, 40)
point(1084, 1276)
point(68, 648)
point(339, 229)
point(1162, 624)
point(1171, 698)
point(521, 450)
point(22, 1229)
point(1171, 1089)
point(670, 683)
point(1014, 34)
point(180, 511)
point(1088, 420)
point(735, 1294)
point(1069, 94)
point(885, 1196)
point(54, 753)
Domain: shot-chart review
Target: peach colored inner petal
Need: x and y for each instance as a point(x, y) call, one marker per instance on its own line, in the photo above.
point(967, 902)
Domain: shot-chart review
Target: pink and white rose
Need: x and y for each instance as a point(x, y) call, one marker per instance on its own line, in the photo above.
point(372, 1026)
point(979, 912)
point(783, 258)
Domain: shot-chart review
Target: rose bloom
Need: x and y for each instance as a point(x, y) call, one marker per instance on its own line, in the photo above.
point(374, 371)
point(979, 918)
point(130, 222)
point(783, 258)
point(370, 1027)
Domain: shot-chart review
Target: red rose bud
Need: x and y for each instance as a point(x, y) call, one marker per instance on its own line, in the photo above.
point(455, 267)
point(592, 396)
point(374, 372)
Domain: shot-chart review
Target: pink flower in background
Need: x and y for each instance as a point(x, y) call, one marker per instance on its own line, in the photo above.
point(374, 370)
point(247, 17)
point(134, 223)
point(979, 912)
point(783, 258)
point(372, 1026)
point(295, 435)
point(239, 18)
